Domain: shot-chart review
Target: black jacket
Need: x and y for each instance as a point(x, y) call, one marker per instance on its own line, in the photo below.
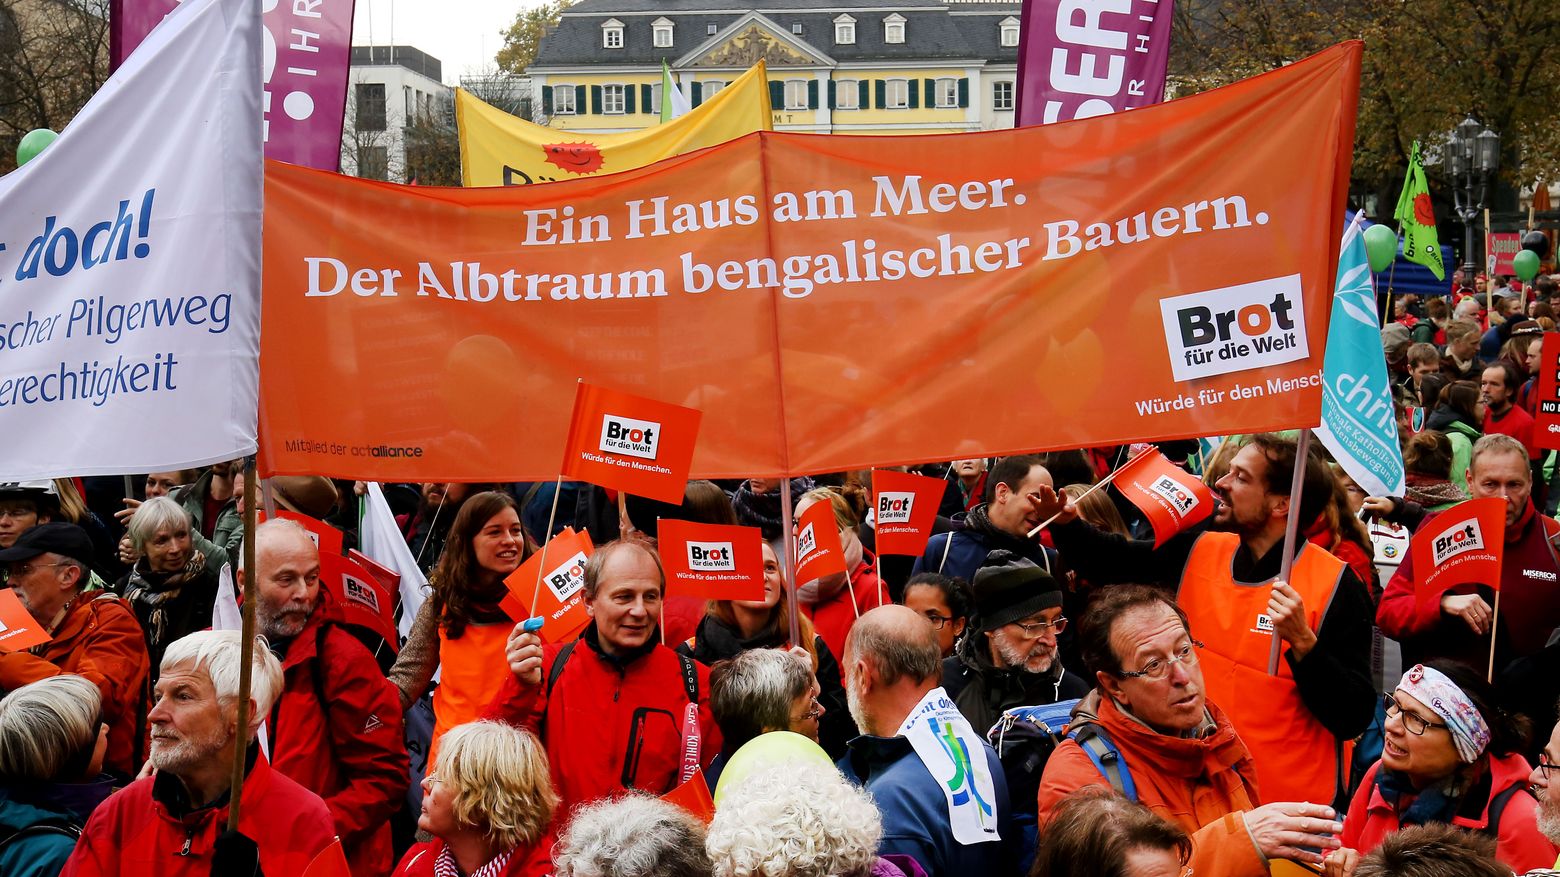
point(982, 691)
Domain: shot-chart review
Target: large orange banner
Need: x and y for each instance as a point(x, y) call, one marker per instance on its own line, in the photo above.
point(828, 302)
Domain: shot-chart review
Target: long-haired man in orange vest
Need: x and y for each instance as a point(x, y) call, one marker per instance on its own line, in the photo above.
point(1225, 574)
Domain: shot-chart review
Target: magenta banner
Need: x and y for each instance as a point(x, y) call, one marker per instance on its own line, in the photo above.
point(1083, 58)
point(306, 49)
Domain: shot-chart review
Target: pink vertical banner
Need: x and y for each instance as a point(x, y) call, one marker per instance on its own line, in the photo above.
point(307, 48)
point(1083, 58)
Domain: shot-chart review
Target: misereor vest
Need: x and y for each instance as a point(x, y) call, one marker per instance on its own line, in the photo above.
point(1297, 758)
point(472, 669)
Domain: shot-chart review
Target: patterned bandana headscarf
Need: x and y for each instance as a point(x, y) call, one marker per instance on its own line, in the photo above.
point(1470, 733)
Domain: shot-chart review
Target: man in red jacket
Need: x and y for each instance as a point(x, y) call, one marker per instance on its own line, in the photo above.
point(337, 728)
point(172, 824)
point(615, 709)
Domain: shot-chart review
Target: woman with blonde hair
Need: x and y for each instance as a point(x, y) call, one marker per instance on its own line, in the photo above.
point(835, 601)
point(487, 803)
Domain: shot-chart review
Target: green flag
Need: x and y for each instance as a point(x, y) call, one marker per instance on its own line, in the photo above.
point(673, 104)
point(1416, 217)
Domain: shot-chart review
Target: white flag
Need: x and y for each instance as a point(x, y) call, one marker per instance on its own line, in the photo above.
point(382, 542)
point(130, 263)
point(225, 614)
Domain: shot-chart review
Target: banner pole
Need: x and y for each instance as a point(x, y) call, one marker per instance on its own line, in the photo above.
point(1291, 530)
point(789, 543)
point(1102, 482)
point(877, 563)
point(1489, 675)
point(246, 643)
point(541, 565)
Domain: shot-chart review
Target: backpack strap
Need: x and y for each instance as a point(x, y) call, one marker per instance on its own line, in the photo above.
point(557, 665)
point(947, 544)
point(1498, 806)
point(59, 827)
point(1106, 758)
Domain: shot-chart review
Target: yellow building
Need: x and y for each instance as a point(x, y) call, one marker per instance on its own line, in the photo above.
point(846, 66)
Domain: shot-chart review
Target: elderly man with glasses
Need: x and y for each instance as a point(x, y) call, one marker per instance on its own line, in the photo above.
point(1148, 731)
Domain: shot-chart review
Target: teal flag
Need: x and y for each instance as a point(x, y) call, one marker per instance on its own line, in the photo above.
point(1359, 424)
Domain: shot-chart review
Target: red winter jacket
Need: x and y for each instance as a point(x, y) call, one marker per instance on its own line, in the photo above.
point(833, 618)
point(136, 834)
point(533, 861)
point(337, 730)
point(1518, 844)
point(609, 724)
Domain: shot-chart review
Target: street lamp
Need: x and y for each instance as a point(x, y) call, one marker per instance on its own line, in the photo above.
point(1472, 155)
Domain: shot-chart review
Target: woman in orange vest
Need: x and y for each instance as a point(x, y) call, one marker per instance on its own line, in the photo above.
point(462, 629)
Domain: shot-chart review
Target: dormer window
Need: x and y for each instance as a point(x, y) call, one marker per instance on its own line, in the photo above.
point(894, 29)
point(844, 31)
point(612, 34)
point(1009, 32)
point(661, 29)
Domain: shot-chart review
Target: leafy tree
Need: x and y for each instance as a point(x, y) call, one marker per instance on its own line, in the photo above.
point(522, 38)
point(53, 57)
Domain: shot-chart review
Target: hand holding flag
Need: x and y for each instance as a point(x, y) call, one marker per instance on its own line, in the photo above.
point(1170, 497)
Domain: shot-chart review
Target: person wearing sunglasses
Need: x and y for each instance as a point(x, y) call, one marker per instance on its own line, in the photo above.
point(1450, 756)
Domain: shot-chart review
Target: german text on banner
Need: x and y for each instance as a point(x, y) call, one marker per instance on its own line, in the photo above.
point(714, 561)
point(561, 600)
point(1546, 422)
point(130, 264)
point(777, 281)
point(498, 149)
point(1462, 545)
point(904, 508)
point(1359, 423)
point(818, 549)
point(1170, 497)
point(306, 51)
point(1084, 58)
point(630, 443)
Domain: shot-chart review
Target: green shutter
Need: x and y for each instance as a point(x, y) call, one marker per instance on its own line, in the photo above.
point(864, 94)
point(812, 94)
point(929, 90)
point(776, 95)
point(882, 94)
point(647, 98)
point(911, 94)
point(628, 100)
point(698, 94)
point(595, 100)
point(579, 100)
point(831, 94)
point(964, 93)
point(547, 100)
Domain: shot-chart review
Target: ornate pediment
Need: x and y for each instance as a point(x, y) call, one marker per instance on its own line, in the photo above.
point(752, 45)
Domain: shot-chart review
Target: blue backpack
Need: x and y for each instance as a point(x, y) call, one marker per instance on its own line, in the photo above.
point(1026, 736)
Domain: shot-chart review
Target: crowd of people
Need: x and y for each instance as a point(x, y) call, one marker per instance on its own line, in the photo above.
point(1084, 701)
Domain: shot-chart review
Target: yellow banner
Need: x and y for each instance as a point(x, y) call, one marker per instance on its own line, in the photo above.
point(497, 149)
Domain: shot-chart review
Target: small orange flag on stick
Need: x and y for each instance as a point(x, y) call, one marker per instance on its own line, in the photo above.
point(818, 549)
point(1170, 497)
point(630, 443)
point(904, 507)
point(561, 598)
point(713, 561)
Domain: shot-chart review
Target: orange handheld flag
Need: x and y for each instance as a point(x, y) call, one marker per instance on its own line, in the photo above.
point(1170, 497)
point(331, 862)
point(561, 600)
point(1461, 545)
point(326, 538)
point(630, 443)
point(904, 507)
point(818, 549)
point(18, 629)
point(714, 561)
point(358, 596)
point(694, 796)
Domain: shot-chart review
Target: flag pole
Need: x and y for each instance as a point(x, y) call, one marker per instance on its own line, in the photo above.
point(788, 541)
point(541, 564)
point(1291, 531)
point(246, 646)
point(1102, 482)
point(434, 522)
point(1489, 675)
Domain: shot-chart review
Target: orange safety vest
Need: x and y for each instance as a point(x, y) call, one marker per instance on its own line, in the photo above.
point(1297, 758)
point(472, 669)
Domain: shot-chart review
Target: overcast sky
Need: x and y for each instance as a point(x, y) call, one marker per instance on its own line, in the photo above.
point(464, 34)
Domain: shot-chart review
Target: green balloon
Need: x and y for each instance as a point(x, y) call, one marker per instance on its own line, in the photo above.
point(776, 748)
point(33, 142)
point(1525, 263)
point(1381, 245)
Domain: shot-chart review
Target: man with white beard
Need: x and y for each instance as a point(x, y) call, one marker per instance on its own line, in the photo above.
point(1546, 787)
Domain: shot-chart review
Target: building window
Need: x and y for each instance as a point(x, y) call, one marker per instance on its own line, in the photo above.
point(612, 34)
point(374, 162)
point(796, 94)
point(846, 92)
point(712, 29)
point(1009, 32)
point(661, 29)
point(563, 100)
point(947, 93)
point(708, 90)
point(844, 31)
point(370, 106)
point(894, 29)
point(655, 100)
point(612, 100)
point(1002, 95)
point(897, 94)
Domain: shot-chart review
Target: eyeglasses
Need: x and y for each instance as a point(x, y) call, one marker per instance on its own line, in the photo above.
point(22, 570)
point(1413, 723)
point(1159, 668)
point(938, 621)
point(814, 711)
point(1546, 765)
point(1037, 629)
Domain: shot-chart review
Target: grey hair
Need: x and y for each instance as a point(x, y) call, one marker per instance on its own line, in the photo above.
point(1495, 443)
point(800, 819)
point(597, 561)
point(897, 653)
point(753, 693)
point(218, 653)
point(45, 725)
point(275, 525)
point(632, 836)
point(158, 513)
